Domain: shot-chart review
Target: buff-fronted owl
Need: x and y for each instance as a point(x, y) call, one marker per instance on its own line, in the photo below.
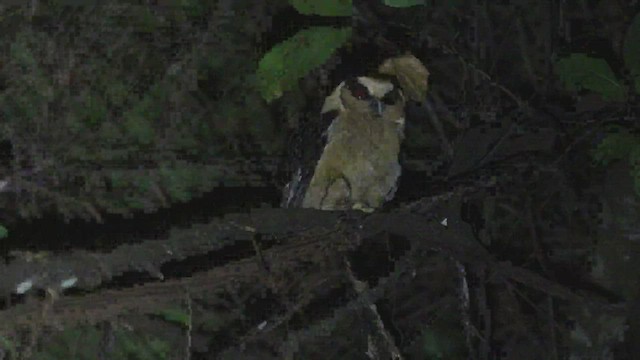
point(358, 167)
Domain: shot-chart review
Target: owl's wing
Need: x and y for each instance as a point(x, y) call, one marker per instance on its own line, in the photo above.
point(307, 144)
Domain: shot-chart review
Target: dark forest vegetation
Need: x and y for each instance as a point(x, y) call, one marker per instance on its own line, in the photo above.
point(144, 144)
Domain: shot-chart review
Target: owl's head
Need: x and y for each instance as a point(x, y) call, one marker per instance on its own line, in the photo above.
point(378, 97)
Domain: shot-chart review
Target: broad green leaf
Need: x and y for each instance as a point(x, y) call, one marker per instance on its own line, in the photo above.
point(285, 63)
point(3, 232)
point(615, 146)
point(631, 50)
point(177, 316)
point(403, 3)
point(323, 8)
point(579, 71)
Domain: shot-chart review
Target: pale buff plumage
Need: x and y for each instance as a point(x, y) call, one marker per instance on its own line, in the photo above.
point(359, 167)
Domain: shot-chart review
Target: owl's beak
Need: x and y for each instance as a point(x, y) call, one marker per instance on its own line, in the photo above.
point(377, 106)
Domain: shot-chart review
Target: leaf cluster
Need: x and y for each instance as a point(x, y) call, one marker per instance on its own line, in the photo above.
point(580, 71)
point(120, 108)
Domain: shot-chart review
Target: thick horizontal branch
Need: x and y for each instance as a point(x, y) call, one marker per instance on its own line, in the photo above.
point(308, 235)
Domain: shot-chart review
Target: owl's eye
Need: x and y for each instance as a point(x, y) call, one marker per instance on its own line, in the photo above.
point(358, 90)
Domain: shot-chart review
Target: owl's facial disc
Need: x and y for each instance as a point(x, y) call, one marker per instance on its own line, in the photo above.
point(377, 88)
point(369, 92)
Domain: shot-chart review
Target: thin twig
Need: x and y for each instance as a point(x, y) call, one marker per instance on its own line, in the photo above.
point(187, 350)
point(360, 287)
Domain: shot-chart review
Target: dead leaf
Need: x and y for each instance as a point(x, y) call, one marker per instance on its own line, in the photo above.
point(412, 75)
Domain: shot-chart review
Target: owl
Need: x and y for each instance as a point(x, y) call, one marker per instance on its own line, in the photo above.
point(358, 167)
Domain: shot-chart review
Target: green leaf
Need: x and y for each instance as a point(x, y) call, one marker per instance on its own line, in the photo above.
point(403, 3)
point(280, 69)
point(580, 71)
point(615, 146)
point(323, 8)
point(8, 345)
point(3, 232)
point(177, 316)
point(631, 50)
point(139, 129)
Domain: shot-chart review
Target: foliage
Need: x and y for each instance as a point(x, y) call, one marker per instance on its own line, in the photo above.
point(621, 144)
point(83, 343)
point(8, 346)
point(122, 107)
point(403, 3)
point(176, 315)
point(442, 344)
point(579, 71)
point(280, 69)
point(596, 75)
point(283, 65)
point(631, 50)
point(323, 8)
point(617, 145)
